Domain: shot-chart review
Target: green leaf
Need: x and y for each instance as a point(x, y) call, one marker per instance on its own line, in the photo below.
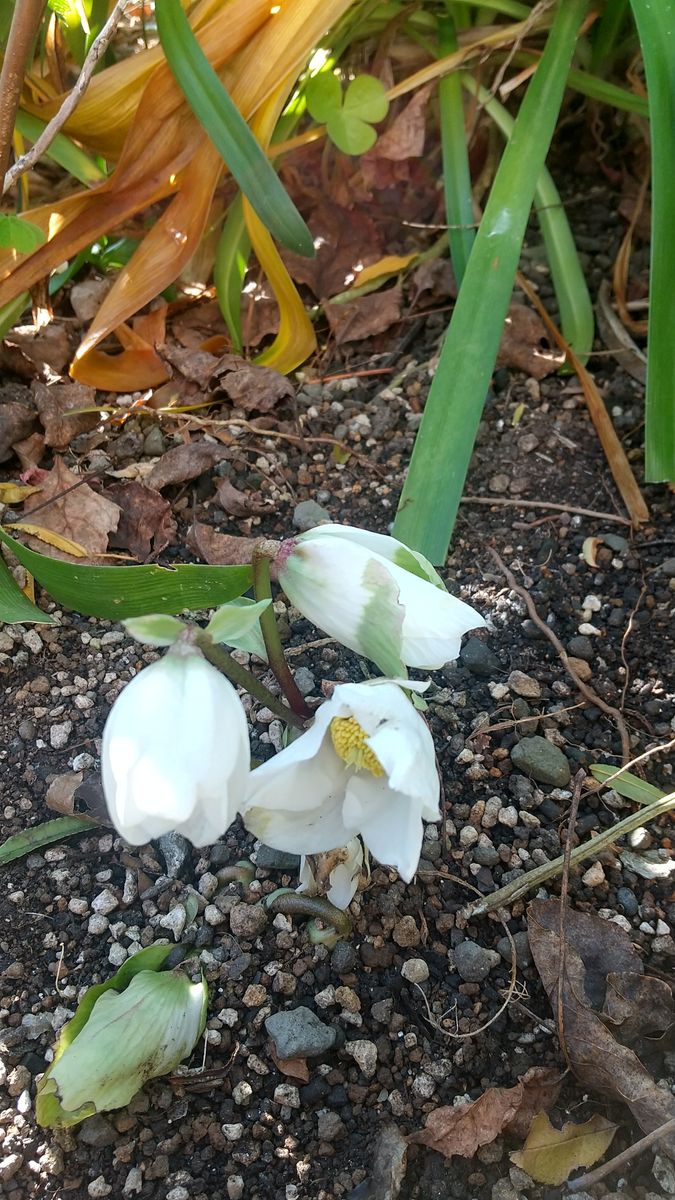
point(23, 236)
point(229, 269)
point(627, 784)
point(233, 623)
point(366, 97)
point(446, 437)
point(323, 94)
point(14, 605)
point(72, 158)
point(350, 134)
point(154, 629)
point(43, 835)
point(221, 120)
point(120, 592)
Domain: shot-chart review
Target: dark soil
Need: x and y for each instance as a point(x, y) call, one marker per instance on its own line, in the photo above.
point(210, 1137)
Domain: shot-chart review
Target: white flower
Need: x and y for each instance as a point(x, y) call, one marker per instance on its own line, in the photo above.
point(343, 869)
point(374, 595)
point(366, 766)
point(175, 751)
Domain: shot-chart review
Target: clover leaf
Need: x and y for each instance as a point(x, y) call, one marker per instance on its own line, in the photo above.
point(349, 115)
point(22, 236)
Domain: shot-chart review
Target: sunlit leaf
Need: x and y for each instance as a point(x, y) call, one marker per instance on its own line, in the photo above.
point(550, 1155)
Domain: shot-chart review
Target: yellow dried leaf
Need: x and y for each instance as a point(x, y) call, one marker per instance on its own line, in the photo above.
point(15, 493)
point(550, 1155)
point(391, 264)
point(53, 539)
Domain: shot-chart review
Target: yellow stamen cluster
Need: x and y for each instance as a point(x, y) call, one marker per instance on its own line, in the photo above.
point(349, 740)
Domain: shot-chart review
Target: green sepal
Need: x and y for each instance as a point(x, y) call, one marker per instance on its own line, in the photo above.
point(155, 629)
point(381, 626)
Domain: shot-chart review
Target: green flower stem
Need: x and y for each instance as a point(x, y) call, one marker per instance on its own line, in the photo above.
point(297, 905)
point(262, 590)
point(240, 676)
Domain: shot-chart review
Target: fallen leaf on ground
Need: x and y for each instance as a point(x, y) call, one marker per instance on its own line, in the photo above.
point(60, 795)
point(236, 503)
point(82, 515)
point(219, 549)
point(15, 493)
point(259, 313)
point(34, 353)
point(255, 389)
point(432, 282)
point(54, 403)
point(390, 1159)
point(194, 364)
point(405, 136)
point(525, 344)
point(146, 525)
point(550, 1155)
point(29, 450)
point(44, 534)
point(463, 1130)
point(182, 463)
point(596, 950)
point(17, 419)
point(294, 1068)
point(364, 316)
point(345, 239)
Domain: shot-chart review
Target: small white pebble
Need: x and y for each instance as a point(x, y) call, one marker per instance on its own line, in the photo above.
point(287, 1095)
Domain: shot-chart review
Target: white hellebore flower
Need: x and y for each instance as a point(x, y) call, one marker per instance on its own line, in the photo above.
point(344, 871)
point(175, 751)
point(374, 595)
point(366, 766)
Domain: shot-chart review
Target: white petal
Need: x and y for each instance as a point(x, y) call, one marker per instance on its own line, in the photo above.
point(390, 823)
point(344, 878)
point(381, 544)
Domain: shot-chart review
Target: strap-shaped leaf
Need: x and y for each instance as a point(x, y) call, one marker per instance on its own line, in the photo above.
point(119, 592)
point(221, 120)
point(43, 835)
point(14, 605)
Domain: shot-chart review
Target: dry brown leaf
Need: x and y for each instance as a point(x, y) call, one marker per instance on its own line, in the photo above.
point(525, 344)
point(294, 1068)
point(146, 525)
point(462, 1131)
point(219, 549)
point(255, 389)
point(365, 316)
point(405, 136)
point(81, 515)
point(550, 1155)
point(182, 463)
point(29, 451)
point(36, 353)
point(54, 403)
point(346, 239)
point(193, 364)
point(432, 282)
point(60, 795)
point(595, 949)
point(17, 418)
point(236, 503)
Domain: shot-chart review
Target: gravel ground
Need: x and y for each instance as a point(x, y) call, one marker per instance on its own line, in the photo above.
point(71, 914)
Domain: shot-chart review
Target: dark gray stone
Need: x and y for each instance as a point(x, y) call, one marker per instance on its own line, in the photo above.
point(97, 1132)
point(299, 1033)
point(477, 656)
point(523, 952)
point(485, 855)
point(628, 901)
point(343, 958)
point(308, 514)
point(176, 852)
point(276, 860)
point(541, 760)
point(581, 647)
point(474, 962)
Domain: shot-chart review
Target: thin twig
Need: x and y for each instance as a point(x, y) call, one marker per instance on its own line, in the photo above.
point(582, 687)
point(627, 633)
point(22, 33)
point(568, 508)
point(564, 889)
point(584, 1182)
point(96, 51)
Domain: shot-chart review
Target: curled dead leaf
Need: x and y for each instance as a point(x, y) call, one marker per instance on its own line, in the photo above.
point(54, 404)
point(550, 1155)
point(60, 795)
point(525, 344)
point(364, 316)
point(183, 463)
point(17, 418)
point(219, 549)
point(77, 513)
point(463, 1130)
point(255, 389)
point(146, 525)
point(589, 550)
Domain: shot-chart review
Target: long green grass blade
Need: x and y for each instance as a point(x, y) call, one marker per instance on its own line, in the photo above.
point(655, 20)
point(626, 784)
point(574, 301)
point(10, 313)
point(456, 170)
point(227, 129)
point(62, 151)
point(15, 607)
point(229, 268)
point(606, 33)
point(440, 460)
point(38, 836)
point(119, 592)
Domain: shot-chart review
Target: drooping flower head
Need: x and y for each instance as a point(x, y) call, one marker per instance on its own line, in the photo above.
point(366, 766)
point(376, 596)
point(175, 751)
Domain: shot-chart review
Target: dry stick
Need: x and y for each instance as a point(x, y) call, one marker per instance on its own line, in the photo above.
point(23, 30)
point(568, 508)
point(96, 51)
point(583, 1182)
point(564, 888)
point(627, 632)
point(585, 690)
